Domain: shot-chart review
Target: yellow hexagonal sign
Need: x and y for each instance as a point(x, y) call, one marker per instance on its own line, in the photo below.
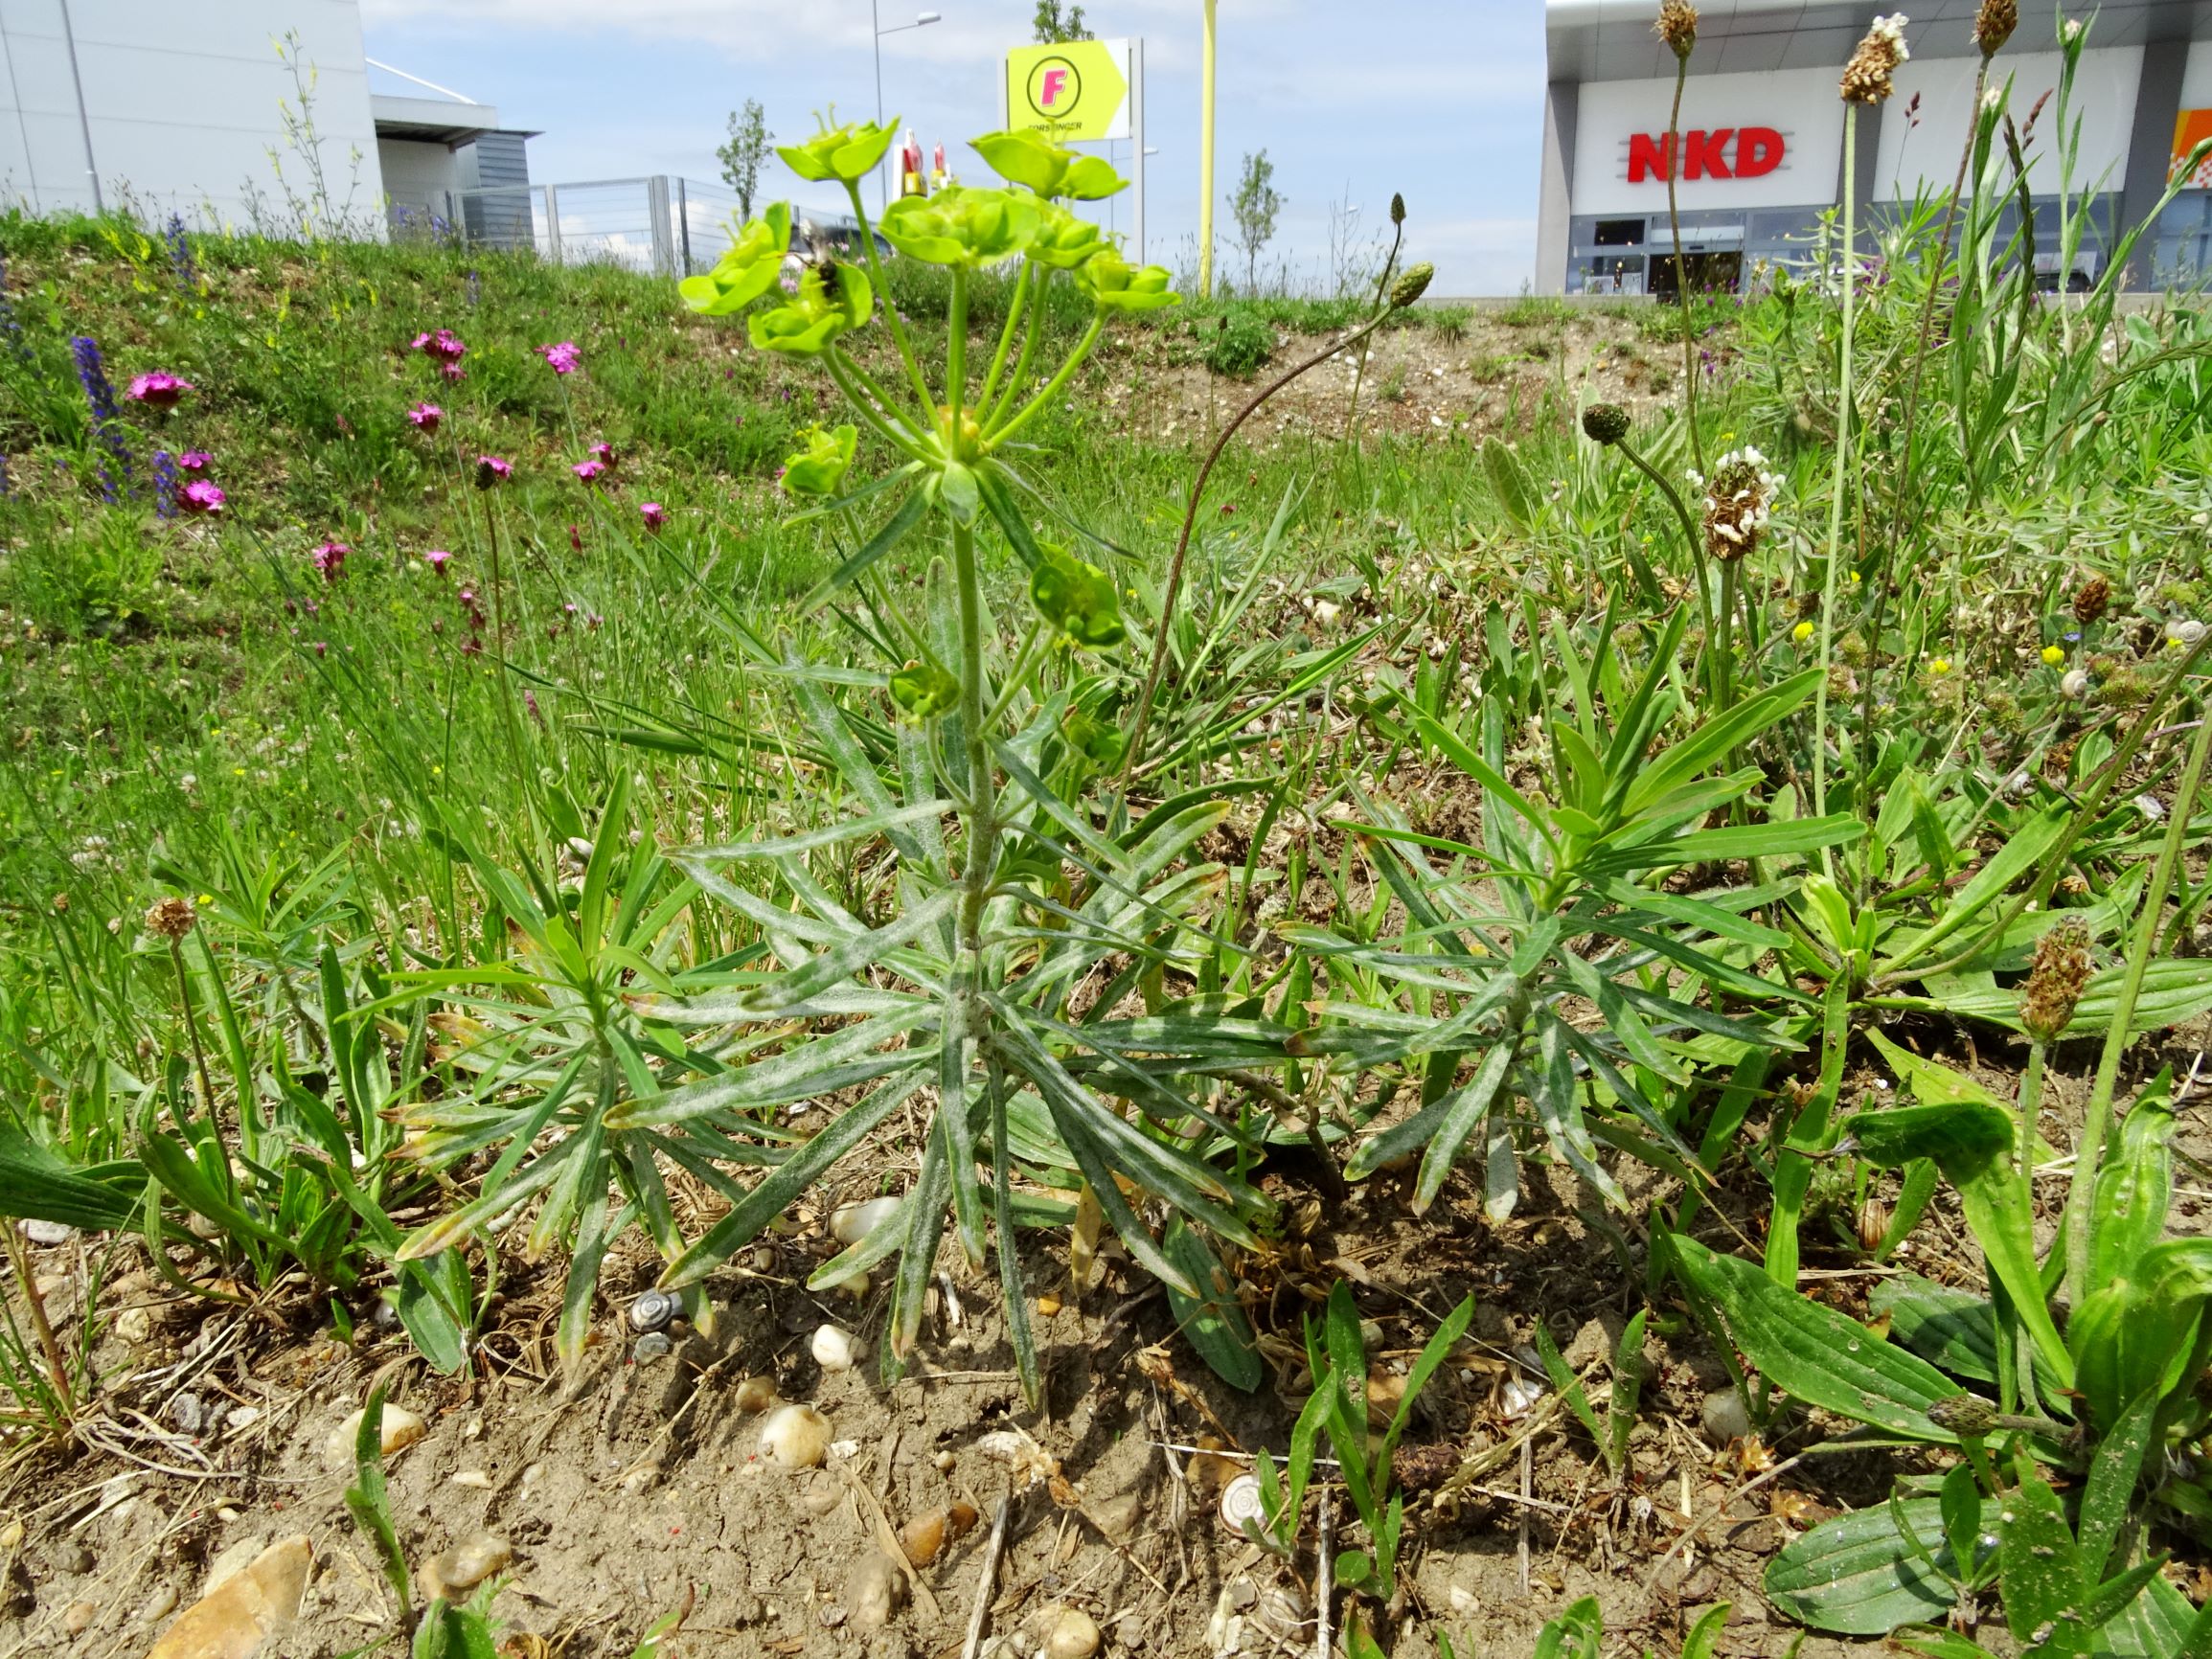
point(1075, 89)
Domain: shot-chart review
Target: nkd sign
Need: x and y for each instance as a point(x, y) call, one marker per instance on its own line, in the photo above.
point(1721, 153)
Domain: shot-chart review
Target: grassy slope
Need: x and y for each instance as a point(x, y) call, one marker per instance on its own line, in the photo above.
point(196, 689)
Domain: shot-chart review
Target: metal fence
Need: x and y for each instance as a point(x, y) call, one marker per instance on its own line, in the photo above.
point(666, 224)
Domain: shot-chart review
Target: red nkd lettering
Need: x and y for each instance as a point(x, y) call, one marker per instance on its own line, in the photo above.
point(1707, 153)
point(1758, 151)
point(1649, 157)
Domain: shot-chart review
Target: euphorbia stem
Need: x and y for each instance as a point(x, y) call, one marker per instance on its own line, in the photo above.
point(1014, 310)
point(1835, 495)
point(1027, 412)
point(980, 802)
point(956, 360)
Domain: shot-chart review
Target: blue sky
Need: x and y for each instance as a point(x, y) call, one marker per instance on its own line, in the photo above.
point(1351, 99)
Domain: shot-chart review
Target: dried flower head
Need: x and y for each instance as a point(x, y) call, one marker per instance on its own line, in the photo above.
point(1605, 424)
point(491, 469)
point(2056, 978)
point(1678, 26)
point(1993, 24)
point(1869, 78)
point(170, 918)
point(1739, 502)
point(2091, 599)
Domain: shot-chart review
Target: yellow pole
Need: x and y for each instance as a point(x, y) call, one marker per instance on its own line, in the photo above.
point(1206, 160)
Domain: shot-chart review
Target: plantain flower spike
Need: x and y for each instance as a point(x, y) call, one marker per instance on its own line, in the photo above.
point(1605, 424)
point(1678, 27)
point(2057, 976)
point(1412, 285)
point(1397, 208)
point(1968, 1416)
point(1870, 76)
point(1994, 25)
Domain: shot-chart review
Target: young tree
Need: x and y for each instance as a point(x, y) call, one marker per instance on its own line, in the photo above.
point(747, 149)
point(1056, 23)
point(1254, 207)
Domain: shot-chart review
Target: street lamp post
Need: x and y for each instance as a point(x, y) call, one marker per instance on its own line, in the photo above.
point(875, 21)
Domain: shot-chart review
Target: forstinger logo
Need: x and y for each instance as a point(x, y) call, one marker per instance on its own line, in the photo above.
point(1721, 153)
point(1055, 88)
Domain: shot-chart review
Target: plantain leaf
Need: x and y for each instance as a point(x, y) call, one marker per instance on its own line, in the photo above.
point(1859, 1576)
point(1213, 1320)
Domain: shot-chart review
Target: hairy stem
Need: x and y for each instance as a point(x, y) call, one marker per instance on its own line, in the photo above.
point(1013, 311)
point(2097, 1116)
point(1029, 411)
point(1175, 586)
point(1682, 277)
point(1844, 414)
point(883, 289)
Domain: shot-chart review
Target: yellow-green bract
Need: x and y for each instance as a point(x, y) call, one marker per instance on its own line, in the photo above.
point(1065, 241)
point(1077, 598)
point(747, 270)
point(1049, 168)
point(846, 152)
point(823, 310)
point(819, 469)
point(1114, 284)
point(959, 226)
point(924, 691)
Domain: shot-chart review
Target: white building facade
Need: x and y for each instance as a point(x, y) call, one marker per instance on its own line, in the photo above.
point(1762, 127)
point(174, 106)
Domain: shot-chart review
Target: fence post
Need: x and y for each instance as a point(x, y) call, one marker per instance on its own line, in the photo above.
point(553, 220)
point(684, 223)
point(656, 206)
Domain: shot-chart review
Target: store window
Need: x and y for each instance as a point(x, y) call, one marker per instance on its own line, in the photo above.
point(1620, 234)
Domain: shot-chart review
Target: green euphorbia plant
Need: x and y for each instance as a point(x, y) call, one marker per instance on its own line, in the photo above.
point(1015, 928)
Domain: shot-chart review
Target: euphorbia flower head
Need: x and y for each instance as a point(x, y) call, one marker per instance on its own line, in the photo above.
point(654, 514)
point(425, 416)
point(330, 559)
point(195, 461)
point(563, 359)
point(438, 559)
point(823, 309)
point(160, 390)
point(962, 226)
point(747, 270)
point(848, 152)
point(1051, 170)
point(202, 496)
point(819, 469)
point(1114, 284)
point(1064, 241)
point(491, 471)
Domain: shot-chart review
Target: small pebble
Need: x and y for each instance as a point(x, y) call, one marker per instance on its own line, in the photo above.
point(135, 1325)
point(73, 1558)
point(472, 1560)
point(836, 1349)
point(651, 1345)
point(476, 1478)
point(159, 1605)
point(76, 1618)
point(1074, 1635)
point(241, 1416)
point(875, 1591)
point(756, 1394)
point(850, 1223)
point(1725, 1418)
point(401, 1428)
point(48, 1232)
point(186, 1413)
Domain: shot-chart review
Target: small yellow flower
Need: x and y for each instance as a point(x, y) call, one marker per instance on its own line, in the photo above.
point(1939, 666)
point(2053, 655)
point(207, 898)
point(1802, 632)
